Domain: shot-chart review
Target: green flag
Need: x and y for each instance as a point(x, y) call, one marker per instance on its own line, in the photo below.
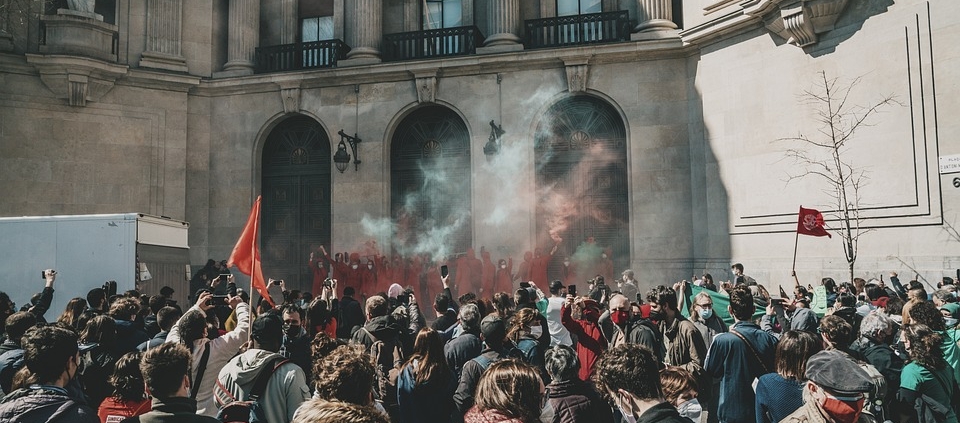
point(720, 303)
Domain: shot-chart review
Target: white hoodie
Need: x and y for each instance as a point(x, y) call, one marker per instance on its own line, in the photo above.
point(286, 389)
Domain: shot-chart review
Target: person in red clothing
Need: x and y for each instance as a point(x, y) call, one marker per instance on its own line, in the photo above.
point(319, 268)
point(487, 273)
point(337, 263)
point(523, 271)
point(580, 316)
point(368, 278)
point(469, 273)
point(568, 272)
point(414, 271)
point(320, 312)
point(384, 272)
point(538, 268)
point(503, 279)
point(129, 398)
point(353, 275)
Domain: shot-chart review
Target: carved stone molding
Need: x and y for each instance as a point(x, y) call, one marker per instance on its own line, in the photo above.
point(76, 79)
point(426, 81)
point(797, 21)
point(577, 73)
point(290, 96)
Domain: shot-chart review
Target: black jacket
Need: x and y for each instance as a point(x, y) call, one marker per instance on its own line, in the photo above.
point(44, 405)
point(154, 342)
point(576, 401)
point(129, 337)
point(384, 328)
point(461, 349)
point(172, 410)
point(661, 413)
point(350, 317)
point(151, 326)
point(94, 372)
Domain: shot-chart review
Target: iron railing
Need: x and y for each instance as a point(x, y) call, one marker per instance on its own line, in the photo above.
point(298, 56)
point(432, 43)
point(594, 28)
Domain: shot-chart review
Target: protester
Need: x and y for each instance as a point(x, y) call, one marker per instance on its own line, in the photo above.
point(630, 329)
point(510, 391)
point(296, 340)
point(351, 314)
point(166, 375)
point(50, 355)
point(11, 351)
point(426, 384)
point(680, 389)
point(494, 333)
point(129, 398)
point(166, 318)
point(558, 333)
point(780, 394)
point(682, 341)
point(877, 347)
point(285, 387)
point(834, 392)
point(738, 357)
point(572, 399)
point(468, 345)
point(927, 381)
point(347, 374)
point(71, 314)
point(927, 314)
point(97, 360)
point(323, 411)
point(524, 335)
point(209, 356)
point(581, 316)
point(628, 375)
point(628, 285)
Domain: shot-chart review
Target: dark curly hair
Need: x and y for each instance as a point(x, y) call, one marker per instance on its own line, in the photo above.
point(664, 296)
point(46, 350)
point(125, 307)
point(924, 346)
point(926, 313)
point(741, 303)
point(347, 374)
point(837, 330)
point(631, 367)
point(321, 346)
point(191, 327)
point(127, 381)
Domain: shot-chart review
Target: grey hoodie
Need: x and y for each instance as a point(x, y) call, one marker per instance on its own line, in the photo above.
point(286, 388)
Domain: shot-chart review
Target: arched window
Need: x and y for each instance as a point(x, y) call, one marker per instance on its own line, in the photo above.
point(295, 185)
point(581, 162)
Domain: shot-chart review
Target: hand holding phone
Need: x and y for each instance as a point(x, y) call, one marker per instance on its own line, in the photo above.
point(218, 300)
point(572, 290)
point(444, 271)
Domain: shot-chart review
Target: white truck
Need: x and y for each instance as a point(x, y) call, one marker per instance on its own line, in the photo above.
point(88, 250)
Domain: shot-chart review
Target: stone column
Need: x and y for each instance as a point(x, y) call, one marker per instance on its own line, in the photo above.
point(243, 36)
point(654, 15)
point(6, 40)
point(504, 21)
point(164, 35)
point(364, 31)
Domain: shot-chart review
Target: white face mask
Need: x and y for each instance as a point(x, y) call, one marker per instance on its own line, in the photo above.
point(503, 266)
point(566, 263)
point(536, 331)
point(690, 409)
point(627, 416)
point(370, 266)
point(355, 266)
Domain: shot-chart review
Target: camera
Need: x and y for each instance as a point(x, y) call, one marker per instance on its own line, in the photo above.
point(218, 300)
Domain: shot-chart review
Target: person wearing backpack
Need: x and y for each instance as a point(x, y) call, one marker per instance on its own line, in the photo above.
point(260, 375)
point(380, 337)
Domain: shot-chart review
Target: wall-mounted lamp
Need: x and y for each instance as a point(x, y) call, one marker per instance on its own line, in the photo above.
point(342, 158)
point(492, 147)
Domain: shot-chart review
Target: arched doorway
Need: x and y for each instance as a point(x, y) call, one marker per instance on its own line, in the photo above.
point(430, 183)
point(295, 214)
point(581, 161)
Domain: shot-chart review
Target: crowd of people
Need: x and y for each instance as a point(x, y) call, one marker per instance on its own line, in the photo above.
point(685, 352)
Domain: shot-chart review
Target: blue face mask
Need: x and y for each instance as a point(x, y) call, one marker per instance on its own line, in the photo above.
point(950, 322)
point(706, 314)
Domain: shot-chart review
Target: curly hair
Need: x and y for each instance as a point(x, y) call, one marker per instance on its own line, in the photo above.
point(321, 346)
point(512, 388)
point(924, 312)
point(837, 330)
point(521, 323)
point(127, 381)
point(675, 381)
point(741, 303)
point(663, 296)
point(124, 307)
point(323, 411)
point(631, 367)
point(191, 327)
point(46, 350)
point(347, 374)
point(924, 346)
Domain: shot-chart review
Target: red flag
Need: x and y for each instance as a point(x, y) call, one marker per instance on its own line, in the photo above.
point(811, 223)
point(246, 254)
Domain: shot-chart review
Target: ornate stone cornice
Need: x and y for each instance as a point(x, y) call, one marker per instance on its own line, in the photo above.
point(797, 21)
point(76, 79)
point(578, 69)
point(290, 96)
point(426, 85)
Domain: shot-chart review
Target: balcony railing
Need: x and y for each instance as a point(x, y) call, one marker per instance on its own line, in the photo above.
point(299, 56)
point(432, 43)
point(594, 28)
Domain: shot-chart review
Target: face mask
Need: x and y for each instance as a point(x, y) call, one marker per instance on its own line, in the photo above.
point(292, 331)
point(355, 266)
point(706, 313)
point(603, 255)
point(690, 409)
point(536, 331)
point(547, 414)
point(566, 263)
point(656, 315)
point(370, 266)
point(627, 417)
point(950, 321)
point(619, 317)
point(843, 409)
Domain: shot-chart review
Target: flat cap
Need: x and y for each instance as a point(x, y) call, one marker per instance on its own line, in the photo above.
point(493, 327)
point(836, 372)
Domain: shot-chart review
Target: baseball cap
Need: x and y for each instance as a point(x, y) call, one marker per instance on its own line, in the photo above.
point(268, 328)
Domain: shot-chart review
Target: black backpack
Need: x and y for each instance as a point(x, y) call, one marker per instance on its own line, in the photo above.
point(249, 410)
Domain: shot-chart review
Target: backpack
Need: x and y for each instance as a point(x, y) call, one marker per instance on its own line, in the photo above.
point(387, 358)
point(249, 410)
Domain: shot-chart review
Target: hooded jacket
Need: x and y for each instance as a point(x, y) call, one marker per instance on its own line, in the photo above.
point(591, 342)
point(286, 388)
point(384, 328)
point(576, 401)
point(129, 337)
point(42, 405)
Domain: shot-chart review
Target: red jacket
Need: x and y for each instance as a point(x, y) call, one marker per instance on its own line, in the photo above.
point(469, 273)
point(113, 410)
point(538, 270)
point(523, 272)
point(503, 281)
point(590, 340)
point(487, 273)
point(317, 265)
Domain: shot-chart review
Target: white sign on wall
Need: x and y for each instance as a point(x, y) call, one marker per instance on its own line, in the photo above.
point(949, 164)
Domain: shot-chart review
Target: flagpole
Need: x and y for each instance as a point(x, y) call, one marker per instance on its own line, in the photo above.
point(254, 268)
point(796, 240)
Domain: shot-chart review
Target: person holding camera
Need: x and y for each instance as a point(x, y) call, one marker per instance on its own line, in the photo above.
point(209, 356)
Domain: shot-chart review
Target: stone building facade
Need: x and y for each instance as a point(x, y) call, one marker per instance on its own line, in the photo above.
point(655, 127)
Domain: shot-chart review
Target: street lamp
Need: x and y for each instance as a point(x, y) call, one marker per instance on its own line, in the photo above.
point(492, 147)
point(342, 158)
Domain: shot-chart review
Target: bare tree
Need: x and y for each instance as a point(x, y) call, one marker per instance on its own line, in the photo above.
point(825, 155)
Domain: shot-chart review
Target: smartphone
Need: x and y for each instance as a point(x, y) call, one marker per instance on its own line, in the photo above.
point(224, 276)
point(444, 271)
point(218, 300)
point(571, 290)
point(524, 284)
point(277, 282)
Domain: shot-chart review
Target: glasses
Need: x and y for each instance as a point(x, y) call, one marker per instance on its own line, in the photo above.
point(705, 305)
